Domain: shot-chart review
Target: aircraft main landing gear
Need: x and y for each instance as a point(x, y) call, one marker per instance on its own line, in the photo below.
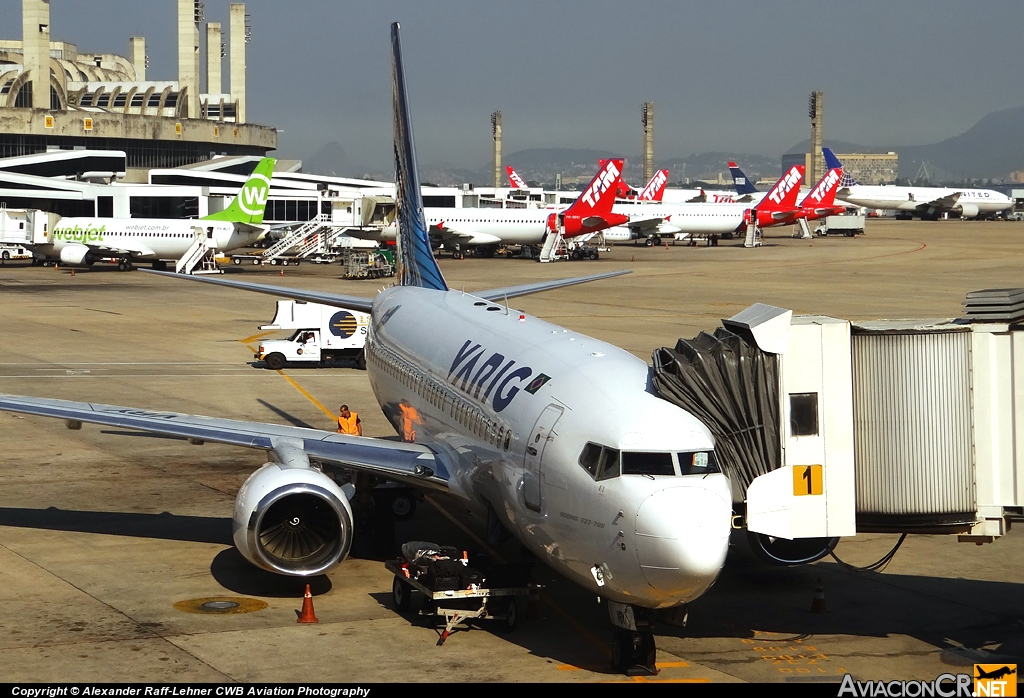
point(634, 651)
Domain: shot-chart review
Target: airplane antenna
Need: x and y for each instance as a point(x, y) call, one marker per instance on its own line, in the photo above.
point(507, 311)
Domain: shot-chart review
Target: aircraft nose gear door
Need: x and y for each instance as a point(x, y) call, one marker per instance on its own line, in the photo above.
point(543, 432)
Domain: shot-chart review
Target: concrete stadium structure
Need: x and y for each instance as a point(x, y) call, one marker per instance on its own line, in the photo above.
point(105, 101)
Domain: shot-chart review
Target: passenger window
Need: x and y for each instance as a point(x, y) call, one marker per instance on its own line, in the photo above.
point(642, 463)
point(698, 463)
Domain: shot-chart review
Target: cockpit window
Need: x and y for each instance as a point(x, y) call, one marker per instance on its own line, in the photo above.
point(698, 463)
point(600, 461)
point(643, 463)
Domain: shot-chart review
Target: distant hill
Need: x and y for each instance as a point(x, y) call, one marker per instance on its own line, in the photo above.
point(990, 149)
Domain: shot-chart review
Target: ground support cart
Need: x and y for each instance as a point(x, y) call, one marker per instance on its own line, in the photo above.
point(455, 607)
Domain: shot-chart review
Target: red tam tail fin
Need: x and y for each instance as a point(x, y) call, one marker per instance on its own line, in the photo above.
point(655, 189)
point(592, 211)
point(514, 178)
point(824, 192)
point(783, 195)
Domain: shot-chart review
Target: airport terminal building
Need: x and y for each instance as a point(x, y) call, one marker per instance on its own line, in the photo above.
point(52, 97)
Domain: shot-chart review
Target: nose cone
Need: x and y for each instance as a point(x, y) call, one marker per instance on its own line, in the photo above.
point(682, 536)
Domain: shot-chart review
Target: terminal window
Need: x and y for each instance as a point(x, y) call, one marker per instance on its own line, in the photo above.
point(803, 414)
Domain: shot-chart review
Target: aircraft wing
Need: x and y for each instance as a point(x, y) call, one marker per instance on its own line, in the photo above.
point(410, 463)
point(497, 294)
point(129, 249)
point(643, 226)
point(336, 300)
point(448, 233)
point(942, 203)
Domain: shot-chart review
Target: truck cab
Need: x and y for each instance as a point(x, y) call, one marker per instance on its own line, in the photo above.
point(322, 335)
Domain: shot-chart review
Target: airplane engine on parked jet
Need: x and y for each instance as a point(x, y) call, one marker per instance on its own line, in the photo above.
point(293, 521)
point(967, 210)
point(77, 255)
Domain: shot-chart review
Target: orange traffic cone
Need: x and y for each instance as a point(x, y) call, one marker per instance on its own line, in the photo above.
point(818, 604)
point(633, 258)
point(72, 272)
point(282, 272)
point(307, 615)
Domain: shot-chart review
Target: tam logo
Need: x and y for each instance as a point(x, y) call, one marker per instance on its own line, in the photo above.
point(785, 185)
point(654, 186)
point(602, 183)
point(825, 185)
point(517, 180)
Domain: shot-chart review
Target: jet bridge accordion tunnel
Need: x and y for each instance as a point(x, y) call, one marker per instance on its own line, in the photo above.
point(827, 428)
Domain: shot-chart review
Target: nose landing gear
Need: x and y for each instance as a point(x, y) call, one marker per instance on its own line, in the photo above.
point(633, 648)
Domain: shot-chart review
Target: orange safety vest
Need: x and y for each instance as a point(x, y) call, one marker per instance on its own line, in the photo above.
point(410, 416)
point(348, 425)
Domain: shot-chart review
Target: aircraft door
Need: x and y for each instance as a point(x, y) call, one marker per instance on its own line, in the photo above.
point(543, 432)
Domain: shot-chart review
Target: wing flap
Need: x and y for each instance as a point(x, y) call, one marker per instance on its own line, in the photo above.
point(412, 463)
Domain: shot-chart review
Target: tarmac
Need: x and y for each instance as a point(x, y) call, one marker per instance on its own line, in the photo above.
point(103, 532)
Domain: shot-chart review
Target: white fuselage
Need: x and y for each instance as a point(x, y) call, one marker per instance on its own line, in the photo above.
point(896, 198)
point(684, 219)
point(144, 238)
point(512, 401)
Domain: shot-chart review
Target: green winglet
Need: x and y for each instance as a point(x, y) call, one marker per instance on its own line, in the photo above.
point(251, 201)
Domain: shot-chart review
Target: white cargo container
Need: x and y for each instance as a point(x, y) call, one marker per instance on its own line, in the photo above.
point(322, 334)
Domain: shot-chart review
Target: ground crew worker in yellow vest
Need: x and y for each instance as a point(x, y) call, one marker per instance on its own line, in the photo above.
point(348, 422)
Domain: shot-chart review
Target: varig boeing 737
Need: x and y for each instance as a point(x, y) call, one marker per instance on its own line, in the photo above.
point(83, 241)
point(557, 436)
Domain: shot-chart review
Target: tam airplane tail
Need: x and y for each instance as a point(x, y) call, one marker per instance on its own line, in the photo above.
point(655, 189)
point(782, 196)
point(823, 195)
point(741, 181)
point(514, 178)
point(592, 211)
point(623, 190)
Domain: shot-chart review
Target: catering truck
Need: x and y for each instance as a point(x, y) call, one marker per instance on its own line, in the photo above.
point(323, 335)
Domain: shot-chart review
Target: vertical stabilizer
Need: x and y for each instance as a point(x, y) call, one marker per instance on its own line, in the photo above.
point(824, 192)
point(251, 201)
point(655, 189)
point(741, 181)
point(832, 163)
point(416, 264)
point(782, 196)
point(514, 178)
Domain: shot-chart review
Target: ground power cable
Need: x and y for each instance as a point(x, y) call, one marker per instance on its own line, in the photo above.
point(877, 566)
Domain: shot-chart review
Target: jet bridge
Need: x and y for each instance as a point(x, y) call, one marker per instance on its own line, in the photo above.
point(829, 428)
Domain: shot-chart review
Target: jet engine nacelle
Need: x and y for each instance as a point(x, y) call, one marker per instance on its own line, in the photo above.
point(77, 255)
point(967, 210)
point(293, 521)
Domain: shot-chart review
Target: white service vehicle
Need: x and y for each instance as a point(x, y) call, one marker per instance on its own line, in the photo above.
point(322, 334)
point(846, 224)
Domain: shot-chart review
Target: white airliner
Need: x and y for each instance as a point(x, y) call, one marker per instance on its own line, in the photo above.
point(558, 436)
point(486, 228)
point(652, 221)
point(927, 203)
point(83, 241)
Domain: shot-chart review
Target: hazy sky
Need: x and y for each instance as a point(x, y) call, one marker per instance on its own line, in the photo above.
point(729, 76)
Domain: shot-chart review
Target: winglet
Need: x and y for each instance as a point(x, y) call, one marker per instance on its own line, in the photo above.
point(416, 264)
point(251, 201)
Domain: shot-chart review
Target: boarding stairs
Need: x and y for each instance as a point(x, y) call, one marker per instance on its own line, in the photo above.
point(199, 258)
point(552, 244)
point(294, 237)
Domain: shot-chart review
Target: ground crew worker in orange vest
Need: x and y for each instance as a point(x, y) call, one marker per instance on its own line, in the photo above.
point(348, 422)
point(410, 418)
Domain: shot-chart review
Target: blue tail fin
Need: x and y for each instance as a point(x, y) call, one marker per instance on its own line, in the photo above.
point(416, 264)
point(740, 180)
point(832, 163)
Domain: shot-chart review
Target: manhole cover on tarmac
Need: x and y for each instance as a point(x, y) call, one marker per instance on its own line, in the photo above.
point(220, 604)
